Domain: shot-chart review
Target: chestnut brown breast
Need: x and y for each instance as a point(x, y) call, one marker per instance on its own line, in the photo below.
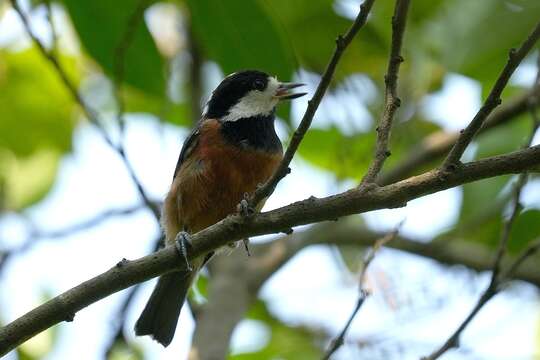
point(214, 178)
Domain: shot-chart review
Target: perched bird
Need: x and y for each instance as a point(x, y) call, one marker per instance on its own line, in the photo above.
point(231, 150)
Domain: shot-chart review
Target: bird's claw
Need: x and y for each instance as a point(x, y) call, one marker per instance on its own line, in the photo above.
point(244, 208)
point(182, 242)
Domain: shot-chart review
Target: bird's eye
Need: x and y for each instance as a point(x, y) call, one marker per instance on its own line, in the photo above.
point(258, 85)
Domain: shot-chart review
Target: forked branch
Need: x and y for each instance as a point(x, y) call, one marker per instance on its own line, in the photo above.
point(341, 45)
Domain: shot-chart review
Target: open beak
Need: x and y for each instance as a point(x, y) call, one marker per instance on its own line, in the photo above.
point(283, 91)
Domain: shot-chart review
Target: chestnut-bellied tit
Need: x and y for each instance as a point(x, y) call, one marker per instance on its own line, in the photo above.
point(232, 149)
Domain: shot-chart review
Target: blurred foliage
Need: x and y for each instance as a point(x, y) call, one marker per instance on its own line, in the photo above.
point(485, 35)
point(39, 346)
point(241, 35)
point(35, 129)
point(42, 344)
point(286, 342)
point(123, 351)
point(119, 29)
point(526, 229)
point(348, 156)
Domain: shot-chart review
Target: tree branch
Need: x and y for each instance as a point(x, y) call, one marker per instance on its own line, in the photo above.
point(392, 101)
point(439, 143)
point(493, 100)
point(496, 281)
point(236, 227)
point(341, 44)
point(119, 319)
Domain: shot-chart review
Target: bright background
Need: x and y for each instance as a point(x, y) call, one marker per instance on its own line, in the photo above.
point(416, 302)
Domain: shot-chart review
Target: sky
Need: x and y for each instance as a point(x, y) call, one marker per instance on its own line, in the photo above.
point(427, 300)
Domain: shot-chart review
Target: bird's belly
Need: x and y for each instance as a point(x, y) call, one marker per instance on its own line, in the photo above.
point(226, 174)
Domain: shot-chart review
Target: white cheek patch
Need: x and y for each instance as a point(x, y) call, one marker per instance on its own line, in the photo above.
point(255, 103)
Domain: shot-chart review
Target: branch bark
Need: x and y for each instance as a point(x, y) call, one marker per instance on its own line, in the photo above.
point(235, 227)
point(392, 101)
point(362, 293)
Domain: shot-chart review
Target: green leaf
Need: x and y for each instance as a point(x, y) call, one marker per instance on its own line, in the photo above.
point(473, 37)
point(45, 121)
point(525, 229)
point(240, 35)
point(35, 129)
point(102, 25)
point(27, 179)
point(505, 138)
point(329, 149)
point(482, 199)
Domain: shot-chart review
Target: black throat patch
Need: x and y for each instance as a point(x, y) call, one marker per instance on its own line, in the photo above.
point(253, 133)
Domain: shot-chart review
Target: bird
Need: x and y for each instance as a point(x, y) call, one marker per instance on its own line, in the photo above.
point(231, 151)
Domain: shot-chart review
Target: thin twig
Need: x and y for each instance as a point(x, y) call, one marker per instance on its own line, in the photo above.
point(92, 115)
point(195, 75)
point(392, 101)
point(532, 249)
point(496, 280)
point(54, 35)
point(341, 44)
point(493, 100)
point(37, 235)
point(492, 290)
point(84, 224)
point(362, 292)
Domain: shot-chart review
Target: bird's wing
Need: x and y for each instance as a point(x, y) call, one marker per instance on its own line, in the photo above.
point(187, 148)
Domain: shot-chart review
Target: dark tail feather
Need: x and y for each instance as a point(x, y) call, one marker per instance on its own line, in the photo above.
point(160, 315)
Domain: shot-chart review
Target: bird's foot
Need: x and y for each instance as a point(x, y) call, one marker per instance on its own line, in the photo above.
point(244, 208)
point(182, 243)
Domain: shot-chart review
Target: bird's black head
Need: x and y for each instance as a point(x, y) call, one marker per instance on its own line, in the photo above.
point(247, 94)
